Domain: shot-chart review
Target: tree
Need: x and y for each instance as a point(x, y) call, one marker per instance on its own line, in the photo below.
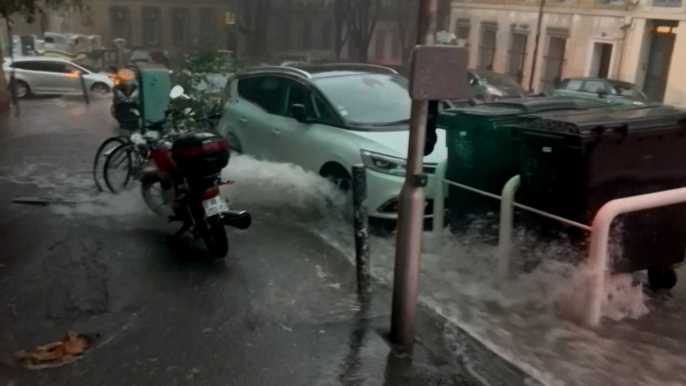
point(407, 17)
point(360, 18)
point(28, 10)
point(253, 22)
point(341, 33)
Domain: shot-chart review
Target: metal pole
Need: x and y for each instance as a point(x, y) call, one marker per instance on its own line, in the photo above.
point(86, 97)
point(13, 81)
point(411, 206)
point(361, 230)
point(598, 263)
point(536, 44)
point(506, 224)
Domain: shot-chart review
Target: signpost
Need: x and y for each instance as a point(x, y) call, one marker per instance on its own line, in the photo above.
point(438, 73)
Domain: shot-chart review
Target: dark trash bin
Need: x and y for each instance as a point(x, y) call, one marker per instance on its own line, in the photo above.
point(573, 163)
point(484, 152)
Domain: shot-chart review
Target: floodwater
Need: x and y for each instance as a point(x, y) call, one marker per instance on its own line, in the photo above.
point(640, 340)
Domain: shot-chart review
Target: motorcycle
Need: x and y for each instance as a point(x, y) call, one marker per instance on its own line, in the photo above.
point(126, 100)
point(187, 174)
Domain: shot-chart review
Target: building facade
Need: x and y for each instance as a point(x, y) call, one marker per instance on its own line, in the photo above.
point(165, 25)
point(638, 41)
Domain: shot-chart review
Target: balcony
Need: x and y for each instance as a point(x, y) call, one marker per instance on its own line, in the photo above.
point(667, 3)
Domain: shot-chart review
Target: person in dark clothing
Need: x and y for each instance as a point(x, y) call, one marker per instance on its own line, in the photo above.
point(431, 136)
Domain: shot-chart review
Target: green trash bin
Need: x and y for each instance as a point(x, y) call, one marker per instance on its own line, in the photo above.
point(484, 153)
point(155, 85)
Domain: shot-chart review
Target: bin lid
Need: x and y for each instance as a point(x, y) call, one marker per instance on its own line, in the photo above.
point(528, 105)
point(622, 118)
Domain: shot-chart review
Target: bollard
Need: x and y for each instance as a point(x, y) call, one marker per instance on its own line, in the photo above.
point(13, 93)
point(86, 97)
point(439, 197)
point(361, 229)
point(506, 224)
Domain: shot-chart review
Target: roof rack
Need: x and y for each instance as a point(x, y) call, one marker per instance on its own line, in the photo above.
point(281, 69)
point(355, 67)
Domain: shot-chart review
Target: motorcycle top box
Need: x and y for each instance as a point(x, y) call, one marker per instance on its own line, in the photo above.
point(201, 154)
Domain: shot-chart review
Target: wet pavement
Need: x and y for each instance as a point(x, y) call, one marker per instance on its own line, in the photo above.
point(280, 310)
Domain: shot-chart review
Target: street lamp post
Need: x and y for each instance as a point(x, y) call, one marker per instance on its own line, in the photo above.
point(411, 205)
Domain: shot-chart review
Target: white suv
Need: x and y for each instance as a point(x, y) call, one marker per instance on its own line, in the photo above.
point(326, 119)
point(44, 76)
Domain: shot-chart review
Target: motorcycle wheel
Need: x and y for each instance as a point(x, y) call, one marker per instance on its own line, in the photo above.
point(215, 238)
point(101, 158)
point(157, 196)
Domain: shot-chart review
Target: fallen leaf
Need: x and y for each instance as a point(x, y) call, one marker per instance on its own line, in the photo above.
point(70, 346)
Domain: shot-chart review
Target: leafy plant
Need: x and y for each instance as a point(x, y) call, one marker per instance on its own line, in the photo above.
point(203, 76)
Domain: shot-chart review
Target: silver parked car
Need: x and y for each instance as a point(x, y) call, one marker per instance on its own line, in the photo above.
point(54, 76)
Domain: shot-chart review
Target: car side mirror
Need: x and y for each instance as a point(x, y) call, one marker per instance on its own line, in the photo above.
point(474, 82)
point(299, 113)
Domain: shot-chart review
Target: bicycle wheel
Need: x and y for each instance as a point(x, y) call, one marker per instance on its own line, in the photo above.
point(101, 157)
point(119, 167)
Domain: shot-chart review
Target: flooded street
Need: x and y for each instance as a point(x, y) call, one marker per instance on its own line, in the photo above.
point(640, 340)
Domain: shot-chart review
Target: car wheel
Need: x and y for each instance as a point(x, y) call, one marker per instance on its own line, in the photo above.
point(22, 89)
point(338, 176)
point(234, 144)
point(100, 89)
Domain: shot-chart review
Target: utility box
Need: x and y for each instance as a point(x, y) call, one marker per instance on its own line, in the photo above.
point(155, 85)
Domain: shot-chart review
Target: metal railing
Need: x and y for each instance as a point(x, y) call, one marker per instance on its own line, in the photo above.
point(597, 263)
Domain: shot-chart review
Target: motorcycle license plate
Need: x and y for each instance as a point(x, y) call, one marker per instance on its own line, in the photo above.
point(215, 206)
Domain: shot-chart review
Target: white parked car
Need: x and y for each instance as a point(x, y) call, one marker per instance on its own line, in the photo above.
point(53, 76)
point(326, 119)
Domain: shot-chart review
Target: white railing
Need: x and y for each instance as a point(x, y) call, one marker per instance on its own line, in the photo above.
point(597, 262)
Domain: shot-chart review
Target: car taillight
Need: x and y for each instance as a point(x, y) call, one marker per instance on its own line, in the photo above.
point(208, 193)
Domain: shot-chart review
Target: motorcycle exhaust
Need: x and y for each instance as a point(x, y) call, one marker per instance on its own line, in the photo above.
point(240, 220)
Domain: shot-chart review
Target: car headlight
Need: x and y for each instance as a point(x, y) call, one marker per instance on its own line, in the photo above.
point(384, 163)
point(638, 103)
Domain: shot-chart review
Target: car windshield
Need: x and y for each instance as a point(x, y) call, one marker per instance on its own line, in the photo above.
point(628, 90)
point(370, 99)
point(503, 82)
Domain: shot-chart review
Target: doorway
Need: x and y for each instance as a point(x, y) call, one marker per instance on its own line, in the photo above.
point(601, 60)
point(662, 38)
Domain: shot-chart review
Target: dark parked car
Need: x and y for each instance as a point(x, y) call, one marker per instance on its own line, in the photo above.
point(602, 90)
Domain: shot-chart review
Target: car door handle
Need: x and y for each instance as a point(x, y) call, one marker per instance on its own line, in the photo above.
point(276, 131)
point(243, 119)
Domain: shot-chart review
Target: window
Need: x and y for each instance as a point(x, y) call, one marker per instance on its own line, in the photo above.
point(208, 24)
point(396, 47)
point(180, 26)
point(462, 29)
point(517, 56)
point(120, 23)
point(29, 66)
point(327, 33)
point(487, 45)
point(594, 86)
point(307, 34)
point(152, 24)
point(372, 99)
point(268, 92)
point(298, 94)
point(553, 62)
point(574, 85)
point(380, 45)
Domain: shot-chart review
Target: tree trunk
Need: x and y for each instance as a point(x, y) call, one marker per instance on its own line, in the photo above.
point(4, 91)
